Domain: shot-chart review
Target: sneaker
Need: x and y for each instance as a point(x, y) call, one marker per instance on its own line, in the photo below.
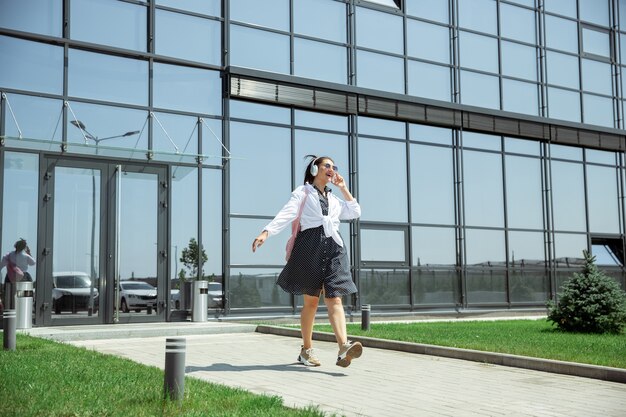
point(349, 351)
point(307, 357)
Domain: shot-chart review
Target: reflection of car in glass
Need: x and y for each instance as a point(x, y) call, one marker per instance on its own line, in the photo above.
point(72, 291)
point(137, 295)
point(215, 294)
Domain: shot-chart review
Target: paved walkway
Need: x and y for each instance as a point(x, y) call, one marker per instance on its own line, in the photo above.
point(380, 383)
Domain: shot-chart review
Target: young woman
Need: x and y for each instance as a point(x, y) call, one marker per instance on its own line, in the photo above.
point(319, 261)
point(21, 258)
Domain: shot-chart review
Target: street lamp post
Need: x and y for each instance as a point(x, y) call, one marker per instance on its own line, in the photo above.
point(80, 125)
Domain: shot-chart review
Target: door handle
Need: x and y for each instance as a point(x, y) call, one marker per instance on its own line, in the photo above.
point(47, 197)
point(164, 254)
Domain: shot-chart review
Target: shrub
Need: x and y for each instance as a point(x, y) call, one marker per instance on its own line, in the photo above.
point(591, 302)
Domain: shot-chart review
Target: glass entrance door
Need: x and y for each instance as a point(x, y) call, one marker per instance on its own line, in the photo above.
point(140, 215)
point(104, 231)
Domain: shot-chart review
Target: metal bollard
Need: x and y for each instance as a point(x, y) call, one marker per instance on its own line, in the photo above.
point(365, 317)
point(8, 322)
point(174, 386)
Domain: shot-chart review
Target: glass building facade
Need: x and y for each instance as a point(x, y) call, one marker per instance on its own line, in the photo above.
point(484, 140)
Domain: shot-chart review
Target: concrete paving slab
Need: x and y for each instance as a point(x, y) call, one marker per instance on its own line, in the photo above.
point(381, 383)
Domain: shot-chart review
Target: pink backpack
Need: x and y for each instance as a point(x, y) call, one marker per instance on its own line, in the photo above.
point(13, 271)
point(295, 227)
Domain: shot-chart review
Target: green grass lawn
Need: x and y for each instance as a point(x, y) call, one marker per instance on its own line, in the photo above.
point(44, 378)
point(535, 338)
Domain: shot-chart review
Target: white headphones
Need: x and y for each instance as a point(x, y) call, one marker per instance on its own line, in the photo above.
point(314, 169)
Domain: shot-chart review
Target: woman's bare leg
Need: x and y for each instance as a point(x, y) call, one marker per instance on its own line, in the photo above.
point(337, 319)
point(307, 317)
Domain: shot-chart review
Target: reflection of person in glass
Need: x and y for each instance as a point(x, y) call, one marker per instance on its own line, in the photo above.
point(19, 258)
point(319, 261)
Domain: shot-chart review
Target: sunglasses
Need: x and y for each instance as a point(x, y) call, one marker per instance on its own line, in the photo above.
point(329, 166)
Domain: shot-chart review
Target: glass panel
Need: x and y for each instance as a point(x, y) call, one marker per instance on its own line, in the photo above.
point(138, 243)
point(210, 7)
point(602, 198)
point(212, 223)
point(382, 182)
point(486, 286)
point(478, 52)
point(524, 192)
point(481, 141)
point(561, 34)
point(597, 110)
point(479, 15)
point(259, 148)
point(434, 287)
point(321, 19)
point(597, 77)
point(480, 90)
point(19, 207)
point(595, 11)
point(378, 30)
point(33, 66)
point(528, 286)
point(423, 133)
point(438, 46)
point(517, 23)
point(526, 249)
point(107, 77)
point(564, 104)
point(320, 61)
point(528, 147)
point(107, 127)
point(568, 196)
point(568, 249)
point(373, 249)
point(184, 214)
point(564, 7)
point(484, 247)
point(317, 143)
point(600, 157)
point(269, 13)
point(432, 185)
point(320, 120)
point(76, 271)
point(381, 127)
point(382, 286)
point(520, 97)
point(243, 232)
point(212, 141)
point(44, 17)
point(596, 42)
point(259, 49)
point(187, 89)
point(519, 61)
point(38, 118)
point(434, 246)
point(92, 21)
point(604, 255)
point(188, 37)
point(436, 10)
point(181, 130)
point(562, 70)
point(566, 152)
point(380, 72)
point(429, 81)
point(256, 288)
point(482, 174)
point(260, 112)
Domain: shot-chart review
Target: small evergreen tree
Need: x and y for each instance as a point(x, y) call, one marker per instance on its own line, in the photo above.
point(189, 257)
point(591, 302)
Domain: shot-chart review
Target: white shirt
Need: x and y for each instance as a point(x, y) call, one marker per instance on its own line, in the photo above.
point(21, 259)
point(312, 213)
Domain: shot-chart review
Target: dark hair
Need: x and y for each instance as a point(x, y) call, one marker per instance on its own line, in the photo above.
point(318, 160)
point(20, 245)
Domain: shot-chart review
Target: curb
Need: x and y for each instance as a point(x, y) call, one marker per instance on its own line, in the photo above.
point(603, 373)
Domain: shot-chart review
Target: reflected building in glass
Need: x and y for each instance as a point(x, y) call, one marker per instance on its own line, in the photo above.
point(484, 140)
